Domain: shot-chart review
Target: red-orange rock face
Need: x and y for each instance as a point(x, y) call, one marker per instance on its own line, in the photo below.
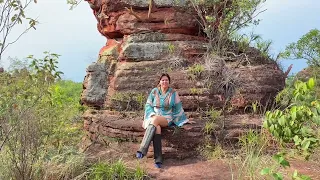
point(145, 40)
point(117, 18)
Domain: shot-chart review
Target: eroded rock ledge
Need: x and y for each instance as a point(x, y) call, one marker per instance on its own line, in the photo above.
point(104, 126)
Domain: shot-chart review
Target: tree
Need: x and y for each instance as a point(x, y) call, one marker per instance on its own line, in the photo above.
point(220, 19)
point(13, 14)
point(307, 47)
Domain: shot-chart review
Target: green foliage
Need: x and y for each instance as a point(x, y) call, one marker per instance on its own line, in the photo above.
point(299, 122)
point(213, 114)
point(220, 19)
point(253, 142)
point(298, 176)
point(273, 171)
point(147, 69)
point(209, 127)
point(212, 152)
point(264, 47)
point(255, 107)
point(128, 101)
point(117, 170)
point(139, 173)
point(307, 47)
point(244, 41)
point(171, 48)
point(236, 14)
point(61, 165)
point(67, 127)
point(195, 71)
point(279, 158)
point(212, 122)
point(21, 104)
point(281, 161)
point(243, 44)
point(46, 66)
point(252, 145)
point(195, 91)
point(38, 112)
point(304, 75)
point(13, 14)
point(5, 165)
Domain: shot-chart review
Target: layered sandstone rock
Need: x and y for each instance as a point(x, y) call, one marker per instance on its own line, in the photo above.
point(104, 126)
point(117, 18)
point(145, 40)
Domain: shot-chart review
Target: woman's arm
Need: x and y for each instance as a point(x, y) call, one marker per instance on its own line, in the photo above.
point(149, 109)
point(179, 116)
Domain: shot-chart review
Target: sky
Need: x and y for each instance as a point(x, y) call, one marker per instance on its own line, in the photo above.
point(69, 33)
point(285, 21)
point(73, 33)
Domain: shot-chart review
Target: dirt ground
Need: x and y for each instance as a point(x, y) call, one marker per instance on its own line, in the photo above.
point(189, 169)
point(193, 167)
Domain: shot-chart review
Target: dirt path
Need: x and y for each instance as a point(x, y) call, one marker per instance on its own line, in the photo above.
point(193, 168)
point(189, 169)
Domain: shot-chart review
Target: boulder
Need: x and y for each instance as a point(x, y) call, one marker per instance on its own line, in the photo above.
point(95, 85)
point(147, 38)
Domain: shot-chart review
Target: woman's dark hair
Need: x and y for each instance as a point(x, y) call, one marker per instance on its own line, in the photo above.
point(164, 74)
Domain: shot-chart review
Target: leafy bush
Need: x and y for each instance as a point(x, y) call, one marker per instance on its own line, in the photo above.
point(37, 114)
point(299, 122)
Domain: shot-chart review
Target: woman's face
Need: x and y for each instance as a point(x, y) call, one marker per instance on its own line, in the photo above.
point(164, 82)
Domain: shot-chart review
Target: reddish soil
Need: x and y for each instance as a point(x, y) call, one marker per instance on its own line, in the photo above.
point(190, 168)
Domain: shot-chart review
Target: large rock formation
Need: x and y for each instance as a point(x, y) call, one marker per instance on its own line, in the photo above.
point(145, 40)
point(117, 18)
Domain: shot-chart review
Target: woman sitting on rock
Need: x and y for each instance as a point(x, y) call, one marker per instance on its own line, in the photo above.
point(163, 108)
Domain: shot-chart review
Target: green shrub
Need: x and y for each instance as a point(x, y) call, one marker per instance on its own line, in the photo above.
point(117, 170)
point(37, 113)
point(300, 121)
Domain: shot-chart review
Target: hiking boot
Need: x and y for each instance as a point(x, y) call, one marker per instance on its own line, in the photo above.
point(147, 138)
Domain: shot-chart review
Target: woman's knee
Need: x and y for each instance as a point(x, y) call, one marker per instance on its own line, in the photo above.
point(155, 120)
point(158, 120)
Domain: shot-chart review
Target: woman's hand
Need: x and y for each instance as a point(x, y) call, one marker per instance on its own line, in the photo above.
point(191, 121)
